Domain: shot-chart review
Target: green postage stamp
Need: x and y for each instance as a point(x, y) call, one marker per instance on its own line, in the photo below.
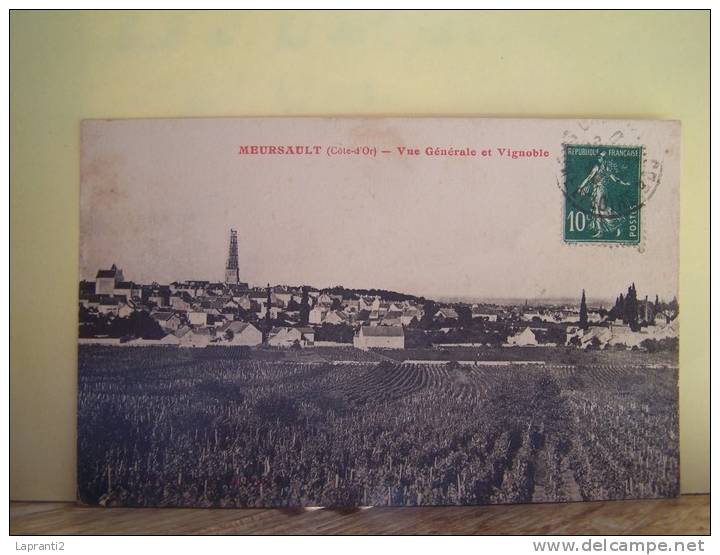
point(602, 194)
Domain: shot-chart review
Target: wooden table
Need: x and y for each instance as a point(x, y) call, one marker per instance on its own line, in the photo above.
point(689, 514)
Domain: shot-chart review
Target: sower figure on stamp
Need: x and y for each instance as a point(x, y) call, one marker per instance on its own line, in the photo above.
point(604, 218)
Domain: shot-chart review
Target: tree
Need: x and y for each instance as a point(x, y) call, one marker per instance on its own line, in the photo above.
point(304, 307)
point(266, 324)
point(594, 344)
point(618, 309)
point(464, 315)
point(268, 305)
point(138, 324)
point(340, 333)
point(583, 312)
point(429, 310)
point(656, 308)
point(630, 316)
point(93, 324)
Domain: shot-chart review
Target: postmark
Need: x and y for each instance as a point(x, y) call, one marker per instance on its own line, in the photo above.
point(603, 202)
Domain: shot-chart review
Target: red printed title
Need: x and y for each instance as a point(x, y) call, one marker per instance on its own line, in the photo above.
point(400, 151)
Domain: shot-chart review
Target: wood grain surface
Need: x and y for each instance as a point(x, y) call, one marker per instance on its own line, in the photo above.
point(689, 514)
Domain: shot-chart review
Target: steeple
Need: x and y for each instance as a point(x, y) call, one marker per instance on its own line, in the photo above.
point(232, 272)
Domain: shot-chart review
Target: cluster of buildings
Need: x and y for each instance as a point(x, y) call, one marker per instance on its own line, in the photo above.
point(617, 334)
point(607, 334)
point(200, 313)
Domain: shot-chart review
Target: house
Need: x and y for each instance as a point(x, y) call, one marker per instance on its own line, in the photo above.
point(197, 318)
point(483, 314)
point(308, 335)
point(335, 317)
point(285, 337)
point(531, 315)
point(665, 331)
point(258, 295)
point(212, 305)
point(409, 319)
point(594, 317)
point(292, 316)
point(109, 305)
point(107, 280)
point(230, 306)
point(217, 320)
point(92, 302)
point(243, 302)
point(194, 338)
point(525, 338)
point(621, 334)
point(446, 314)
point(380, 337)
point(570, 332)
point(159, 295)
point(181, 332)
point(181, 300)
point(215, 288)
point(409, 314)
point(126, 309)
point(316, 315)
point(169, 339)
point(167, 320)
point(283, 297)
point(599, 335)
point(240, 333)
point(604, 336)
point(262, 310)
point(193, 288)
point(392, 318)
point(128, 289)
point(570, 316)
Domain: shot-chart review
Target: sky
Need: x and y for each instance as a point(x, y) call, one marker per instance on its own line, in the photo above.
point(159, 197)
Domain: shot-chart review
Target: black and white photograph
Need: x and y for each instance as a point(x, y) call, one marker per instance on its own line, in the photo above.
point(376, 312)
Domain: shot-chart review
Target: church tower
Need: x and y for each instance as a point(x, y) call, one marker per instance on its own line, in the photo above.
point(232, 272)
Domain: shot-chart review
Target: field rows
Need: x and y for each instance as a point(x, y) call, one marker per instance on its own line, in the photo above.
point(195, 431)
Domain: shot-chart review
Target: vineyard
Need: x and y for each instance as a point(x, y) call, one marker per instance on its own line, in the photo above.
point(171, 427)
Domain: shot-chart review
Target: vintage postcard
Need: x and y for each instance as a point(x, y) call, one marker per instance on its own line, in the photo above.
point(289, 312)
